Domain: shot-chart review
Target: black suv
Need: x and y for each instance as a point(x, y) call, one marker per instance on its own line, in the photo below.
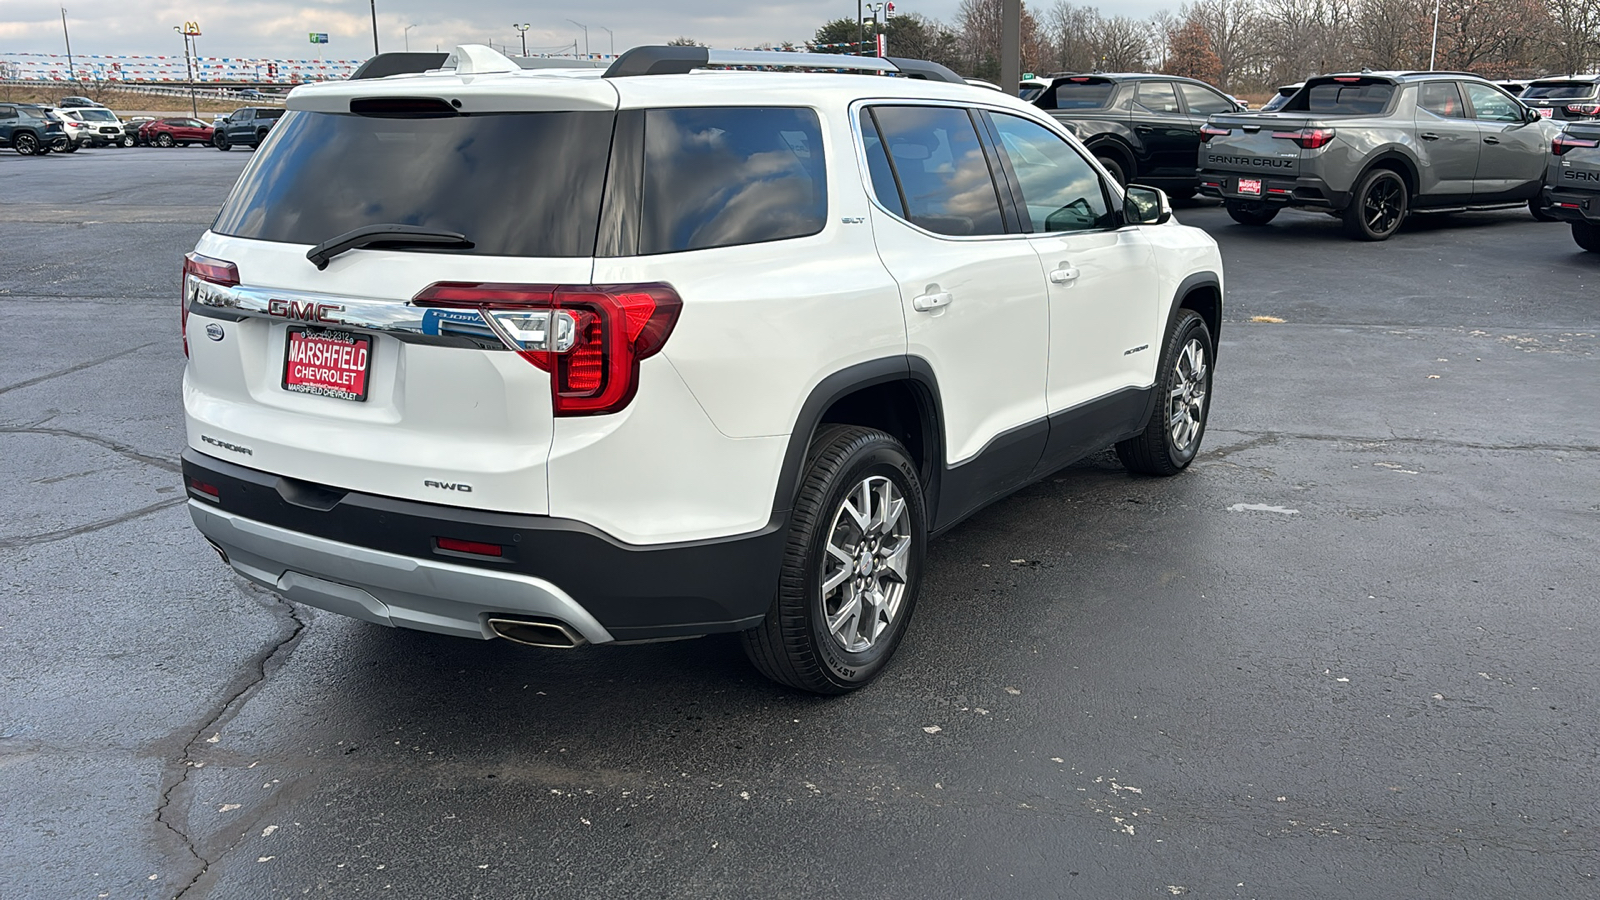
point(1143, 128)
point(29, 129)
point(248, 126)
point(1570, 98)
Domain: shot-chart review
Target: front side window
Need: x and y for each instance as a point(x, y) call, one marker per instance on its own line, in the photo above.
point(1156, 96)
point(516, 184)
point(721, 176)
point(1489, 103)
point(1203, 102)
point(1442, 98)
point(940, 169)
point(1061, 190)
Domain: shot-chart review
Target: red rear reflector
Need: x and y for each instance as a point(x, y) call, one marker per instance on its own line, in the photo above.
point(1565, 205)
point(209, 490)
point(593, 338)
point(202, 268)
point(476, 548)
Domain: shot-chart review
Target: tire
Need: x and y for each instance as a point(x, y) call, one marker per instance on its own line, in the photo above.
point(847, 470)
point(66, 146)
point(128, 141)
point(1377, 206)
point(1587, 234)
point(164, 140)
point(1170, 440)
point(220, 141)
point(26, 144)
point(1111, 165)
point(1252, 215)
point(1540, 211)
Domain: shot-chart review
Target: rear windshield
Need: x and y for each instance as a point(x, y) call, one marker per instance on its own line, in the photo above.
point(97, 115)
point(269, 113)
point(1356, 97)
point(1559, 90)
point(516, 184)
point(1088, 94)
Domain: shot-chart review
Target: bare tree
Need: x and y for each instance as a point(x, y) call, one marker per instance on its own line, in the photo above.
point(1234, 28)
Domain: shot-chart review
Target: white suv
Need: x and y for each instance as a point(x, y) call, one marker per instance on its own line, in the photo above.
point(568, 357)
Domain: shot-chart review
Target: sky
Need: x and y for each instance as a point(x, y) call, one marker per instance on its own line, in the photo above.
point(279, 28)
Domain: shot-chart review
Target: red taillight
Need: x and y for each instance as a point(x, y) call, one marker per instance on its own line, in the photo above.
point(201, 269)
point(1565, 142)
point(1584, 109)
point(1348, 79)
point(1207, 132)
point(590, 338)
point(1079, 80)
point(1307, 138)
point(476, 548)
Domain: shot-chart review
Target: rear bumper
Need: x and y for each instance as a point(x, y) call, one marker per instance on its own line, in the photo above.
point(1573, 206)
point(376, 558)
point(1304, 191)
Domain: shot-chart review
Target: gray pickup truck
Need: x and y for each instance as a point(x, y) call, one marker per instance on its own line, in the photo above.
point(1373, 147)
point(1573, 191)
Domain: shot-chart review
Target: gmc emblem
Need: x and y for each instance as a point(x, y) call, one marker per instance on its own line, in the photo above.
point(305, 312)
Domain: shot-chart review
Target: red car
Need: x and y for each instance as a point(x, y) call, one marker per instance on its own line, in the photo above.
point(175, 132)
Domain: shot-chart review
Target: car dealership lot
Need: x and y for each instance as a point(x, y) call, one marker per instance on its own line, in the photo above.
point(1350, 653)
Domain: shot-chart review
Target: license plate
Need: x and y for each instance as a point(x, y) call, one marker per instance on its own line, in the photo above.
point(1250, 186)
point(327, 363)
point(1546, 111)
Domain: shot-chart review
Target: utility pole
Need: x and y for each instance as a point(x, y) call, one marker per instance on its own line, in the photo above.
point(72, 73)
point(1010, 46)
point(585, 38)
point(522, 29)
point(374, 27)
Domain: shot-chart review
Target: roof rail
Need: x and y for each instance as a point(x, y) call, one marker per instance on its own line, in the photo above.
point(682, 60)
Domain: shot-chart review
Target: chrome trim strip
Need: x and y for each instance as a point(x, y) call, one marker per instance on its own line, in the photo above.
point(414, 324)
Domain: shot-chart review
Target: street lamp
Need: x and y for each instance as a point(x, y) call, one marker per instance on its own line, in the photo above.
point(522, 30)
point(613, 38)
point(875, 9)
point(190, 31)
point(585, 35)
point(407, 35)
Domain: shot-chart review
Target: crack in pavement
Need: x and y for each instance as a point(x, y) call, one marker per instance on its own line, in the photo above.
point(77, 368)
point(255, 674)
point(1259, 438)
point(109, 444)
point(64, 533)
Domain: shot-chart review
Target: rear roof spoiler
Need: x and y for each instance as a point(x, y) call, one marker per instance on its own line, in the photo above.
point(385, 64)
point(682, 60)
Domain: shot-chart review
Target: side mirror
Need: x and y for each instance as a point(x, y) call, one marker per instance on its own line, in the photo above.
point(1146, 206)
point(1530, 115)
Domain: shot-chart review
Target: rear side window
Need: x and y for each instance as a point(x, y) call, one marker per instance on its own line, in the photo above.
point(1354, 97)
point(883, 186)
point(1072, 93)
point(1203, 102)
point(1442, 98)
point(1559, 90)
point(722, 176)
point(516, 184)
point(940, 169)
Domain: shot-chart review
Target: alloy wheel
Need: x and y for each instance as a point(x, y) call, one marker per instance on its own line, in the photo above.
point(867, 564)
point(1186, 400)
point(27, 144)
point(1383, 205)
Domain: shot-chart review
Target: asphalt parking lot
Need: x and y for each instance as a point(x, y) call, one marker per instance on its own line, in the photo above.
point(1350, 653)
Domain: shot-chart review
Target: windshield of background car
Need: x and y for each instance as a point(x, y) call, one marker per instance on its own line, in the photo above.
point(1559, 90)
point(1073, 93)
point(1347, 96)
point(516, 184)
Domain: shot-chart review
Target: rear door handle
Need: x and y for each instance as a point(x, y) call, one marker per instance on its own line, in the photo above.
point(1428, 136)
point(931, 302)
point(1491, 140)
point(1066, 274)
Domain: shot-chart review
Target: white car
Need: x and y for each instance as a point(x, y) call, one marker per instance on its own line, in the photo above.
point(671, 350)
point(103, 126)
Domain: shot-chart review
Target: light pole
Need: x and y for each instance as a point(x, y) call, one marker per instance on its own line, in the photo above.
point(585, 37)
point(875, 9)
point(613, 38)
point(407, 35)
point(72, 73)
point(1433, 55)
point(374, 5)
point(860, 37)
point(190, 31)
point(522, 31)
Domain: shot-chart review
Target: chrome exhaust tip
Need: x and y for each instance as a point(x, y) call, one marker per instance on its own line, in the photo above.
point(537, 634)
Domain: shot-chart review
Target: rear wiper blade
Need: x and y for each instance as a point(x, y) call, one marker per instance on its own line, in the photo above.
point(390, 235)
